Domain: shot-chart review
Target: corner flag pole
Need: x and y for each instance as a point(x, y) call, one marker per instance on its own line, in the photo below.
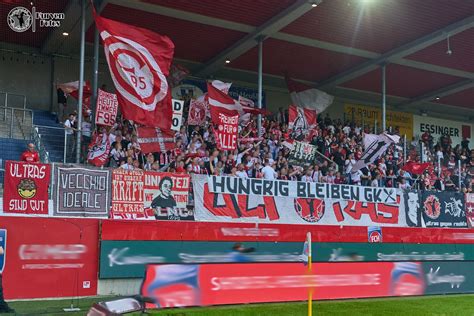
point(310, 292)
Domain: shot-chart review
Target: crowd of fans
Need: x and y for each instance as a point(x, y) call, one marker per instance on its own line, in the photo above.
point(338, 142)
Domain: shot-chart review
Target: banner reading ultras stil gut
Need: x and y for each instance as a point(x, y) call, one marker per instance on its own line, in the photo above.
point(367, 115)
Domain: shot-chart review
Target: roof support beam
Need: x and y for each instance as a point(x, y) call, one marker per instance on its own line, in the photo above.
point(235, 26)
point(399, 52)
point(445, 91)
point(54, 43)
point(249, 41)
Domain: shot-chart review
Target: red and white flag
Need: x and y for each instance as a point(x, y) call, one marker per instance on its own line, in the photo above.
point(301, 123)
point(72, 88)
point(139, 62)
point(246, 102)
point(248, 106)
point(99, 150)
point(226, 132)
point(219, 102)
point(307, 97)
point(416, 167)
point(222, 86)
point(155, 140)
point(197, 111)
point(106, 110)
point(177, 74)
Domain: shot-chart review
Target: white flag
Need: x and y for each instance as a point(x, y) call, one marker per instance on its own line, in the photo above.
point(375, 146)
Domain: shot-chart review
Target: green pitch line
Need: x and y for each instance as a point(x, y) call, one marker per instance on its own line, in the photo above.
point(456, 305)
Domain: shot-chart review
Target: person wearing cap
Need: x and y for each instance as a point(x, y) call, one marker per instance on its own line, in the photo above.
point(30, 155)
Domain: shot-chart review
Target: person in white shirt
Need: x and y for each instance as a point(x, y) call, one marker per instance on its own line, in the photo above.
point(241, 173)
point(316, 174)
point(128, 165)
point(346, 129)
point(268, 172)
point(349, 163)
point(86, 132)
point(375, 181)
point(356, 177)
point(403, 184)
point(70, 141)
point(307, 177)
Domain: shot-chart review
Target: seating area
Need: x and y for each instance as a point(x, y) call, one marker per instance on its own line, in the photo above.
point(50, 132)
point(11, 150)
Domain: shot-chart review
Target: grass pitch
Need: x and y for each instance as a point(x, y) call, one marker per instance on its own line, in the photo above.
point(459, 305)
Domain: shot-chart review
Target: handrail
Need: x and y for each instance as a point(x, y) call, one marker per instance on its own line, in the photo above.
point(14, 94)
point(15, 120)
point(44, 154)
point(51, 127)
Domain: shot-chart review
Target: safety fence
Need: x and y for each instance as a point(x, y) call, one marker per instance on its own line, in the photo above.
point(59, 190)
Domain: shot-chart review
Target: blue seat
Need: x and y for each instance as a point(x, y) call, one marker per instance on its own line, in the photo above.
point(52, 139)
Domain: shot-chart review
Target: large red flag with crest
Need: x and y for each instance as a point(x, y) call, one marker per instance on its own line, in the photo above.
point(139, 62)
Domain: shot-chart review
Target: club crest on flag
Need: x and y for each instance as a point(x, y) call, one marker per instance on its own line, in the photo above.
point(135, 72)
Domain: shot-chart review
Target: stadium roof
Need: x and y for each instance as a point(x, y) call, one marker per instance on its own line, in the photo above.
point(339, 45)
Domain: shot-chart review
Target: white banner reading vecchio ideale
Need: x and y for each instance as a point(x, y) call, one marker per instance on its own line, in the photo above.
point(231, 199)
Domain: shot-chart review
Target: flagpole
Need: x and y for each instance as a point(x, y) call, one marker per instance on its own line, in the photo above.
point(384, 99)
point(81, 81)
point(260, 83)
point(95, 75)
point(310, 263)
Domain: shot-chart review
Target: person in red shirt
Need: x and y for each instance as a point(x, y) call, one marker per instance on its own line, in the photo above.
point(30, 155)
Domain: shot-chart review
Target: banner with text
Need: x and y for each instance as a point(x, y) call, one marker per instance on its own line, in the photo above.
point(128, 258)
point(470, 209)
point(368, 115)
point(438, 127)
point(151, 196)
point(226, 132)
point(166, 196)
point(443, 209)
point(233, 199)
point(26, 188)
point(106, 111)
point(50, 258)
point(302, 154)
point(127, 193)
point(243, 283)
point(81, 192)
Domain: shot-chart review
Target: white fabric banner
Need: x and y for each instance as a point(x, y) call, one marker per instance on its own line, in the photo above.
point(230, 199)
point(375, 146)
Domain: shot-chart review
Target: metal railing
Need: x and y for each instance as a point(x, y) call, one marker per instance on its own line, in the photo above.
point(53, 141)
point(44, 154)
point(7, 97)
point(15, 121)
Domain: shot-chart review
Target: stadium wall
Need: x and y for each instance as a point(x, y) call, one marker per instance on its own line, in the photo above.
point(63, 257)
point(32, 76)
